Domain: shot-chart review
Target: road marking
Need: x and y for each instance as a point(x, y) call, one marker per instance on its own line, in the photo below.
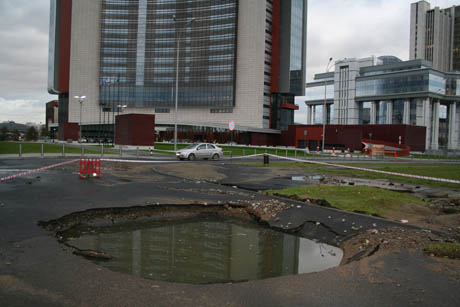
point(37, 170)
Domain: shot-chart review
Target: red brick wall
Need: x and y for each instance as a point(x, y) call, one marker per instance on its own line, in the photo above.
point(349, 136)
point(135, 130)
point(68, 131)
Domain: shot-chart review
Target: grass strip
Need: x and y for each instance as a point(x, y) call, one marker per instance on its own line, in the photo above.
point(362, 199)
point(446, 250)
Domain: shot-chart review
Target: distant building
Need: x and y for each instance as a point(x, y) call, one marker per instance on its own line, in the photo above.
point(364, 92)
point(241, 60)
point(435, 35)
point(51, 117)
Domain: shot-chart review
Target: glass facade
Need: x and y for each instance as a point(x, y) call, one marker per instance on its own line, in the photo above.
point(413, 113)
point(317, 92)
point(398, 112)
point(295, 69)
point(456, 46)
point(52, 41)
point(382, 108)
point(420, 82)
point(138, 52)
point(392, 85)
point(365, 113)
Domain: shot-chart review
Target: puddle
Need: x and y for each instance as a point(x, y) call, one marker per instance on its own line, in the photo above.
point(204, 249)
point(304, 178)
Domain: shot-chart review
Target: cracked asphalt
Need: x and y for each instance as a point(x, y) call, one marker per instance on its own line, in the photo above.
point(35, 270)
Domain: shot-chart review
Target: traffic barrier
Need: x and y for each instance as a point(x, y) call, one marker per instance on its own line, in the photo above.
point(90, 168)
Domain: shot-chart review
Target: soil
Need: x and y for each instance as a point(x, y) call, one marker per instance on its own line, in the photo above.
point(389, 239)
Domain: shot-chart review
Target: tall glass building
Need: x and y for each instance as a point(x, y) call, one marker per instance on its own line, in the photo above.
point(241, 60)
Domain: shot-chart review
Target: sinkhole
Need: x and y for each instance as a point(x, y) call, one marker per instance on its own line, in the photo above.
point(200, 249)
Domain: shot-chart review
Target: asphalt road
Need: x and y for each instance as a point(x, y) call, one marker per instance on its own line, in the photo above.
point(35, 270)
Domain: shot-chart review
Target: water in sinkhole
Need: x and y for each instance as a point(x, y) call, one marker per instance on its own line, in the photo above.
point(204, 249)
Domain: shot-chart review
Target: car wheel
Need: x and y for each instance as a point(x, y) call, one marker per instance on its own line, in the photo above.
point(191, 157)
point(215, 157)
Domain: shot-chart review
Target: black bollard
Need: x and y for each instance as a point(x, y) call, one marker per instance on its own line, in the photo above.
point(266, 159)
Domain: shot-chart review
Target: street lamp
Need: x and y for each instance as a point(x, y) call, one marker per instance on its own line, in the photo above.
point(178, 38)
point(325, 106)
point(80, 100)
point(119, 107)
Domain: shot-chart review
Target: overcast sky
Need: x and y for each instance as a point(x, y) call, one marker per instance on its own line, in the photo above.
point(336, 28)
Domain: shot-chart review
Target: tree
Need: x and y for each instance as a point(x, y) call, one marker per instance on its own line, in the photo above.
point(15, 135)
point(44, 132)
point(31, 134)
point(4, 134)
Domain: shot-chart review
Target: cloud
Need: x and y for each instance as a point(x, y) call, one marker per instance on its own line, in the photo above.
point(359, 28)
point(22, 110)
point(24, 52)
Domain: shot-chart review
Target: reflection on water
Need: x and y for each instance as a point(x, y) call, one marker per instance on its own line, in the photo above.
point(206, 249)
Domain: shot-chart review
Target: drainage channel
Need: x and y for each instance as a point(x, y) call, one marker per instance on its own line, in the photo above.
point(191, 244)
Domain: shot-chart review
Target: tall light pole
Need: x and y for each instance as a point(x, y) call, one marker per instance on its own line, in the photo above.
point(325, 106)
point(80, 100)
point(119, 107)
point(178, 38)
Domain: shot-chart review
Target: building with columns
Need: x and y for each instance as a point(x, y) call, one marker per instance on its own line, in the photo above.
point(363, 91)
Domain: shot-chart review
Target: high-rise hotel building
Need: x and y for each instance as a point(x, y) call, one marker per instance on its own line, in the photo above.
point(241, 60)
point(435, 35)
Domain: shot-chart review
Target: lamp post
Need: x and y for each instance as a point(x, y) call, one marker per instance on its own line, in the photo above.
point(178, 38)
point(80, 100)
point(325, 106)
point(119, 107)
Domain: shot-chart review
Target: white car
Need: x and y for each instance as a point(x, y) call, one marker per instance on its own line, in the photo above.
point(200, 151)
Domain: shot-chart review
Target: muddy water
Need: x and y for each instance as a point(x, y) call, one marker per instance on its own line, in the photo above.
point(205, 249)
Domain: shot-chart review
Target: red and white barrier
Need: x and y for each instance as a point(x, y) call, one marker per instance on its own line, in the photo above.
point(36, 170)
point(90, 167)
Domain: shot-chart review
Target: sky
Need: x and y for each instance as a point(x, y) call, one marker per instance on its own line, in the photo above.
point(336, 28)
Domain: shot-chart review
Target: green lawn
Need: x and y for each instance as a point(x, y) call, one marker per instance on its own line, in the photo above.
point(28, 148)
point(362, 199)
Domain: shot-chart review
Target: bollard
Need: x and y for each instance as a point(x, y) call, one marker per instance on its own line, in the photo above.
point(42, 153)
point(266, 159)
point(20, 150)
point(276, 152)
point(286, 152)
